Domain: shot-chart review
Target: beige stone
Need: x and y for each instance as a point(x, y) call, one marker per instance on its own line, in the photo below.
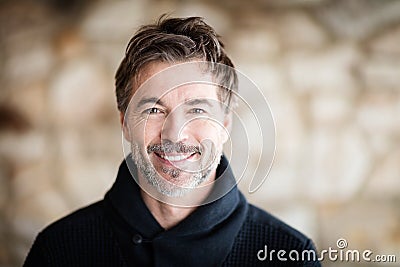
point(267, 77)
point(359, 19)
point(386, 44)
point(32, 179)
point(299, 31)
point(377, 117)
point(255, 45)
point(378, 114)
point(78, 93)
point(381, 74)
point(86, 181)
point(280, 185)
point(28, 62)
point(32, 214)
point(331, 109)
point(23, 148)
point(31, 100)
point(328, 70)
point(337, 164)
point(290, 128)
point(384, 177)
point(110, 21)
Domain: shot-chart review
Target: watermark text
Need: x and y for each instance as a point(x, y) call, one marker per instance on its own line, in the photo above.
point(340, 253)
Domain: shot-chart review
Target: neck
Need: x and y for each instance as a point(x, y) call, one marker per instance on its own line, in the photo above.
point(166, 215)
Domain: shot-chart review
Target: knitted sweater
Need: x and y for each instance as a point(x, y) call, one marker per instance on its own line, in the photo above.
point(120, 231)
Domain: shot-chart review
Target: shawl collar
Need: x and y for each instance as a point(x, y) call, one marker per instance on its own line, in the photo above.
point(204, 238)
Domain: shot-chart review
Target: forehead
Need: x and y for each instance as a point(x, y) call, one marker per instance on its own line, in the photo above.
point(179, 82)
point(150, 69)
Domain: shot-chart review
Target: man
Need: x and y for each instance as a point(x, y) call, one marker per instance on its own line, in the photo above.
point(174, 202)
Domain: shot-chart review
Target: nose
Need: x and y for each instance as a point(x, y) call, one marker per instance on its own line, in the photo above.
point(174, 128)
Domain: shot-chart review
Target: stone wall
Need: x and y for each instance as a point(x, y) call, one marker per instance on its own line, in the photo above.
point(329, 69)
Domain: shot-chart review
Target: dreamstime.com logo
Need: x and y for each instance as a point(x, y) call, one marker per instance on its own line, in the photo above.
point(341, 253)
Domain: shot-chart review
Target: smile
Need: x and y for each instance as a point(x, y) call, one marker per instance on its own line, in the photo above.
point(174, 158)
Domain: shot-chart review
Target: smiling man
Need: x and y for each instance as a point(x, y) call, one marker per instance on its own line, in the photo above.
point(175, 200)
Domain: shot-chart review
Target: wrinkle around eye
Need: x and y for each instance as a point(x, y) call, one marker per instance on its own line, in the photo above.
point(133, 119)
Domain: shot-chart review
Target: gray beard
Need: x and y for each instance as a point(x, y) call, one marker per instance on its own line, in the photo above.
point(163, 186)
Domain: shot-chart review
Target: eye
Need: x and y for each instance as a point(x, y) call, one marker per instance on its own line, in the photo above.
point(197, 111)
point(152, 111)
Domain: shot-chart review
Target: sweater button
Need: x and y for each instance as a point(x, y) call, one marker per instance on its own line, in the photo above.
point(137, 239)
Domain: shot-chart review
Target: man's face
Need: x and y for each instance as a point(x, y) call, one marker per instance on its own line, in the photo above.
point(176, 134)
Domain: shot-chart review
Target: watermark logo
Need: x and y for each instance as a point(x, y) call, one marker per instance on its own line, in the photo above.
point(341, 243)
point(341, 253)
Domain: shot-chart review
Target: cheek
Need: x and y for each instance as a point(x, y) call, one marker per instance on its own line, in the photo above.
point(151, 131)
point(146, 132)
point(208, 130)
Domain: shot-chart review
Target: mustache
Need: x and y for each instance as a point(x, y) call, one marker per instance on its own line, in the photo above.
point(169, 147)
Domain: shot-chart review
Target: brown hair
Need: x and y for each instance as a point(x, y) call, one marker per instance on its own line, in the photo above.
point(174, 40)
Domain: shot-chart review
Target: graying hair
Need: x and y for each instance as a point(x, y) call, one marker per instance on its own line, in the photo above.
point(175, 40)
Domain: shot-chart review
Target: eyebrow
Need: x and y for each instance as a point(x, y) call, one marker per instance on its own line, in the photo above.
point(151, 100)
point(191, 102)
point(194, 102)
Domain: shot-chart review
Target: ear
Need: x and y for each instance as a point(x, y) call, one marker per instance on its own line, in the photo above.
point(124, 127)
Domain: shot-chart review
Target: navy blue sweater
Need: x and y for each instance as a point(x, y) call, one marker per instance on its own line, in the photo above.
point(120, 231)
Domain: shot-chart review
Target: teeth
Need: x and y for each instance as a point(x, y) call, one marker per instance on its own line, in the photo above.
point(175, 158)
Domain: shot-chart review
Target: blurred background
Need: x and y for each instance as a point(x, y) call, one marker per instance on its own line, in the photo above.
point(330, 70)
